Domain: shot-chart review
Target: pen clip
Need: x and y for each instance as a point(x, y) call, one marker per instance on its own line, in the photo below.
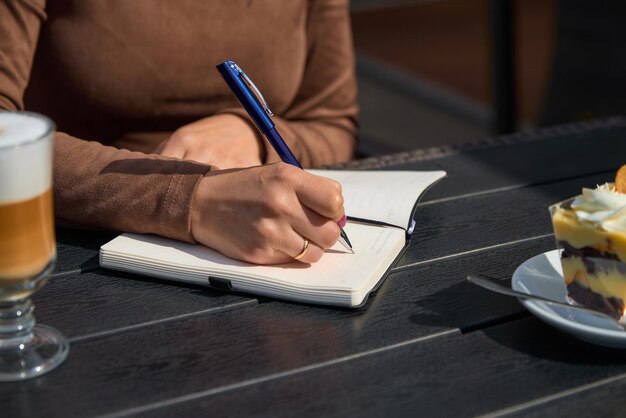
point(255, 90)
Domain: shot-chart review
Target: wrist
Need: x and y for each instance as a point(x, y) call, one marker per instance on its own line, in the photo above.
point(205, 204)
point(196, 211)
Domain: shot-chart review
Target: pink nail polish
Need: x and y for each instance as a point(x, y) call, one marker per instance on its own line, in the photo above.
point(342, 222)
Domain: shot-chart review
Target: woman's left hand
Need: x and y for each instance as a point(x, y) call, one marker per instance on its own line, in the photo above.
point(224, 141)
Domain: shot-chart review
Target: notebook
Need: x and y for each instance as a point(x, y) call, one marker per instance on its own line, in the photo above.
point(380, 206)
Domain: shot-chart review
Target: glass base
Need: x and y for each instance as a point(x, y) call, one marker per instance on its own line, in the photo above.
point(38, 355)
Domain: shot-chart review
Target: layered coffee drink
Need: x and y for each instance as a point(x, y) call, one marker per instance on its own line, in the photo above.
point(27, 243)
point(27, 246)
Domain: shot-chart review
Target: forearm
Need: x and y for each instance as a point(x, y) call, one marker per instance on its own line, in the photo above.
point(103, 187)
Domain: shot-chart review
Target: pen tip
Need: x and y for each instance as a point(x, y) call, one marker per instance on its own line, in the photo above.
point(343, 239)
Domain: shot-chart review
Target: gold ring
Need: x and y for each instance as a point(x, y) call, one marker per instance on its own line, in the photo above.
point(305, 247)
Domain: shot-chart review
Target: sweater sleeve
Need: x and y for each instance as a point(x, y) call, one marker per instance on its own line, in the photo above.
point(20, 22)
point(95, 185)
point(320, 124)
point(104, 187)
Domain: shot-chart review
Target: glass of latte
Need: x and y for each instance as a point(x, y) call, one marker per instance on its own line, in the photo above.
point(27, 245)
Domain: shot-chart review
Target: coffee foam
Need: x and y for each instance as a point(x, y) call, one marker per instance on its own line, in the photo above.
point(25, 163)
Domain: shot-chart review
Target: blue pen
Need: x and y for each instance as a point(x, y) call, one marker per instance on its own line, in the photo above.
point(252, 100)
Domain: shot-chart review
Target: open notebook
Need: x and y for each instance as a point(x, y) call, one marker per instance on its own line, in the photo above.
point(380, 207)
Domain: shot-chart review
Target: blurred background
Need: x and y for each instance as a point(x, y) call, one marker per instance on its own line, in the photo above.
point(435, 72)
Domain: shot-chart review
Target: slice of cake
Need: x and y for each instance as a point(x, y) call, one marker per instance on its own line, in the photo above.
point(590, 231)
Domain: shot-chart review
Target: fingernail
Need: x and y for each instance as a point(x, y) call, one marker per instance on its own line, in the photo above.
point(343, 221)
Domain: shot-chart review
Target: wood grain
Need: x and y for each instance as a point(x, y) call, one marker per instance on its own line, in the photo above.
point(528, 163)
point(96, 302)
point(455, 375)
point(78, 249)
point(602, 398)
point(452, 227)
point(206, 352)
point(172, 349)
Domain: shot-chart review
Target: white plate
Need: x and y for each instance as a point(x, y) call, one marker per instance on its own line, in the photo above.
point(542, 275)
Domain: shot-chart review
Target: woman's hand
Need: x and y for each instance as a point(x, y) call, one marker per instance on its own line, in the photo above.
point(224, 141)
point(263, 214)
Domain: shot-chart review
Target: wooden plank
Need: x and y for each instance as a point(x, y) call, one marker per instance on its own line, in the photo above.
point(81, 305)
point(181, 355)
point(556, 158)
point(455, 375)
point(603, 398)
point(77, 303)
point(439, 233)
point(78, 249)
point(427, 295)
point(452, 227)
point(200, 353)
point(120, 292)
point(442, 229)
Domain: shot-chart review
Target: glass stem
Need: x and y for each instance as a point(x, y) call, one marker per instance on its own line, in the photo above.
point(16, 323)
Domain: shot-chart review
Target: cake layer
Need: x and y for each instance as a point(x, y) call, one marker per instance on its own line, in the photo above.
point(584, 296)
point(603, 276)
point(567, 228)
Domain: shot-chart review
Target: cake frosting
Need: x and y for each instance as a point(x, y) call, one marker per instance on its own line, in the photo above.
point(602, 206)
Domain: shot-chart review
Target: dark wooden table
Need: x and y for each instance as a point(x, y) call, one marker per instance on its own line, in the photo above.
point(427, 343)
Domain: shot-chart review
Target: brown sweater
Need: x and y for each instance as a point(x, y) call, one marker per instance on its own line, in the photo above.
point(128, 73)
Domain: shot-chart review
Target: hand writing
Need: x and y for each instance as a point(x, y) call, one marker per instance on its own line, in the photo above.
point(263, 214)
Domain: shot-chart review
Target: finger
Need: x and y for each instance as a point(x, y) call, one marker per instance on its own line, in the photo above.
point(308, 252)
point(202, 157)
point(321, 230)
point(173, 149)
point(321, 195)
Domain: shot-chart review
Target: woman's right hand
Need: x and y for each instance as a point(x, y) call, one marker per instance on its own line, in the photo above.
point(263, 214)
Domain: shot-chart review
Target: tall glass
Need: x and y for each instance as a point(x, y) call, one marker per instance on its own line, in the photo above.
point(27, 245)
